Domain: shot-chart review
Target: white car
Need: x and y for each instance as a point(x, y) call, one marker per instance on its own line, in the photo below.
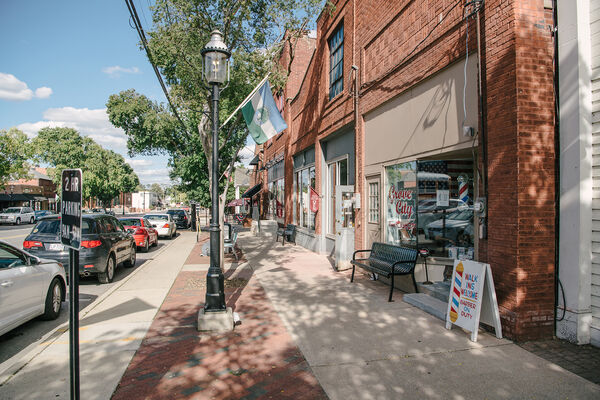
point(29, 287)
point(163, 223)
point(17, 215)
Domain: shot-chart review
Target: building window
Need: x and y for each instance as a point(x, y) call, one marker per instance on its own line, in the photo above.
point(336, 62)
point(304, 178)
point(276, 201)
point(374, 202)
point(338, 175)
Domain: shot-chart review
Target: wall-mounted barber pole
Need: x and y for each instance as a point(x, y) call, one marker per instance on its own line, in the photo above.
point(463, 188)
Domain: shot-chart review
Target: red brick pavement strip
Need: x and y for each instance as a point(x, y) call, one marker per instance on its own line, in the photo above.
point(258, 360)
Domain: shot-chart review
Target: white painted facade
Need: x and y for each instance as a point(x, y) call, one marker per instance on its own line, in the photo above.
point(579, 248)
point(144, 200)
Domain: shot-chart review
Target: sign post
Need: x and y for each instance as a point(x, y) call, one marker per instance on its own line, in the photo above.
point(70, 235)
point(473, 298)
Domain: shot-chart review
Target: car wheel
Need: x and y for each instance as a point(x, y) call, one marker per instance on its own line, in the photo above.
point(131, 262)
point(108, 274)
point(146, 245)
point(18, 221)
point(155, 241)
point(31, 221)
point(53, 301)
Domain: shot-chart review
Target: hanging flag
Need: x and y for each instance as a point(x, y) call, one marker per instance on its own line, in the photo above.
point(262, 117)
point(314, 200)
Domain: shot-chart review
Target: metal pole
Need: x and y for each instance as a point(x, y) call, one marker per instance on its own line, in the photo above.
point(215, 281)
point(74, 321)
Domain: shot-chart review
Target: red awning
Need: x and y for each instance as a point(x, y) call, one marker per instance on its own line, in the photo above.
point(236, 202)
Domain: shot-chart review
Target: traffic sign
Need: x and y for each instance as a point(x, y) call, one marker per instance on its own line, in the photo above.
point(70, 208)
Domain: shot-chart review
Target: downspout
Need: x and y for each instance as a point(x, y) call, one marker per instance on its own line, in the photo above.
point(556, 164)
point(483, 110)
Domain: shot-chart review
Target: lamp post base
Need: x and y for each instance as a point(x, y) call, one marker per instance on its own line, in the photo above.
point(215, 321)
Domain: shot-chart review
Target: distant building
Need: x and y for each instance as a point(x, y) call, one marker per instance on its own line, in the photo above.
point(37, 191)
point(144, 201)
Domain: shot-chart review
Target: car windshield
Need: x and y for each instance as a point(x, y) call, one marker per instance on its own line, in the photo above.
point(158, 217)
point(52, 226)
point(12, 210)
point(176, 212)
point(131, 222)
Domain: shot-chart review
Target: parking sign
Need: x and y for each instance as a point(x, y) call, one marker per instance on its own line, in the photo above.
point(70, 208)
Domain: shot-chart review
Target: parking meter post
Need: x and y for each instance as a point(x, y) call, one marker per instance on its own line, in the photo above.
point(74, 321)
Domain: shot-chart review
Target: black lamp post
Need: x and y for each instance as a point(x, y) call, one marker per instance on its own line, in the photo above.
point(216, 67)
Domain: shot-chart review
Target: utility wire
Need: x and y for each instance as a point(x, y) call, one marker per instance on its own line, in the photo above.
point(140, 31)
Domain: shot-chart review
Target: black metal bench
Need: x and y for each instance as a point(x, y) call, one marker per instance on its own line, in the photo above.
point(387, 260)
point(288, 232)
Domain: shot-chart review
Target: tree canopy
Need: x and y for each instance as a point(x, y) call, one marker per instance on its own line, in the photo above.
point(255, 32)
point(15, 151)
point(105, 173)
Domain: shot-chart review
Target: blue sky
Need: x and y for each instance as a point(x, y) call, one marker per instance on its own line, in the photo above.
point(61, 60)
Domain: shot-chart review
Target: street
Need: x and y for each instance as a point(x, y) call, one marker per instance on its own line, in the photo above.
point(27, 335)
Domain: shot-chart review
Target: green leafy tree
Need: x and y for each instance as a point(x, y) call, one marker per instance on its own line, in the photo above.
point(105, 173)
point(256, 32)
point(15, 151)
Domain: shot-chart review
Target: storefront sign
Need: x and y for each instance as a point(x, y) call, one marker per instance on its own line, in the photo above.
point(314, 200)
point(473, 298)
point(403, 201)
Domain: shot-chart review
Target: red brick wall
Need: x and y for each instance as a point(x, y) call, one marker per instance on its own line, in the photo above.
point(521, 170)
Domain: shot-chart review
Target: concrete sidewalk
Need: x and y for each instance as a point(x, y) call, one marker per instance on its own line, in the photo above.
point(111, 330)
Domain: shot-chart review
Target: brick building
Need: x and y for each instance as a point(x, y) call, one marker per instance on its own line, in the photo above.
point(430, 123)
point(37, 191)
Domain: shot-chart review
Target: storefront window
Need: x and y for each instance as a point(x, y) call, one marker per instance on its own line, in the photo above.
point(276, 200)
point(445, 209)
point(304, 179)
point(401, 204)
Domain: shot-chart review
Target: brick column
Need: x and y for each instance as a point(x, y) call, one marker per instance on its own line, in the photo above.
point(520, 127)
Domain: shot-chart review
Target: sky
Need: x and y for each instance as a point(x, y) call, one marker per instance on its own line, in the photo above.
point(61, 60)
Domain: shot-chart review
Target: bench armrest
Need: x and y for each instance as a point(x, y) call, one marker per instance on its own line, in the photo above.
point(359, 251)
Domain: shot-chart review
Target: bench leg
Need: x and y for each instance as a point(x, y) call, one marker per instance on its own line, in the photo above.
point(352, 278)
point(391, 288)
point(415, 282)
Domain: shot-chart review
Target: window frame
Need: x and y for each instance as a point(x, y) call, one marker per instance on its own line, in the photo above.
point(374, 205)
point(336, 61)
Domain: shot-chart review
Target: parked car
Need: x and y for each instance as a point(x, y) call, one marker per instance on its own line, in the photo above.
point(142, 230)
point(181, 217)
point(17, 215)
point(429, 211)
point(104, 245)
point(42, 213)
point(457, 228)
point(30, 287)
point(163, 223)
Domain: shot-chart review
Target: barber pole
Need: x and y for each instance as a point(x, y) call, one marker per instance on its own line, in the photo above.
point(463, 189)
point(456, 292)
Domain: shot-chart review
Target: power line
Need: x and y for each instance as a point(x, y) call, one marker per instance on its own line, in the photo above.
point(140, 31)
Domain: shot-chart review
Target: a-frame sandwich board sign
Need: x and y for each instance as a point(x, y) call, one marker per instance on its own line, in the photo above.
point(473, 298)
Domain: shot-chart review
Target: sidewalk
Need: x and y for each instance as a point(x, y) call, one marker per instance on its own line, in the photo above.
point(308, 333)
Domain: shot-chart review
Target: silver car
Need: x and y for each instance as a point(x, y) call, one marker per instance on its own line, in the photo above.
point(163, 223)
point(29, 287)
point(17, 215)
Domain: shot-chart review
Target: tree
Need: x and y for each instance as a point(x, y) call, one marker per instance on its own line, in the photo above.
point(15, 151)
point(156, 188)
point(256, 32)
point(105, 173)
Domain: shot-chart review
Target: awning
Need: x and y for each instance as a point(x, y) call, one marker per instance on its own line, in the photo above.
point(255, 160)
point(252, 191)
point(236, 202)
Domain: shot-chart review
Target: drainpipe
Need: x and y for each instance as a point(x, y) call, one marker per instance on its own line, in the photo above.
point(356, 116)
point(482, 107)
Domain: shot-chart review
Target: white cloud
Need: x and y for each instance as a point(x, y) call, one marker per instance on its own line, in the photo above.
point(138, 163)
point(93, 123)
point(13, 89)
point(43, 92)
point(116, 71)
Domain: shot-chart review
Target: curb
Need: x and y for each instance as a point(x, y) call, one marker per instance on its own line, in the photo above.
point(8, 371)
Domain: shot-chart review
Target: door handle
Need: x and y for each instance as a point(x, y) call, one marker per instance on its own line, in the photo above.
point(6, 284)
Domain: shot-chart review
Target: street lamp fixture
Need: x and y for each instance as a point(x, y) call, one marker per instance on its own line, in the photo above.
point(216, 72)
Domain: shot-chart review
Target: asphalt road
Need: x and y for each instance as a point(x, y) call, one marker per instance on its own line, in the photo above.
point(28, 334)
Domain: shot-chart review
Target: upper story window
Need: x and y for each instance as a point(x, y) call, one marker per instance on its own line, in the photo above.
point(336, 62)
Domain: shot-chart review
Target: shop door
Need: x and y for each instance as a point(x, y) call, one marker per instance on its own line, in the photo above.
point(373, 213)
point(344, 225)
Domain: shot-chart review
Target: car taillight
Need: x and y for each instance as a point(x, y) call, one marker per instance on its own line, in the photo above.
point(28, 244)
point(165, 225)
point(90, 244)
point(139, 231)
